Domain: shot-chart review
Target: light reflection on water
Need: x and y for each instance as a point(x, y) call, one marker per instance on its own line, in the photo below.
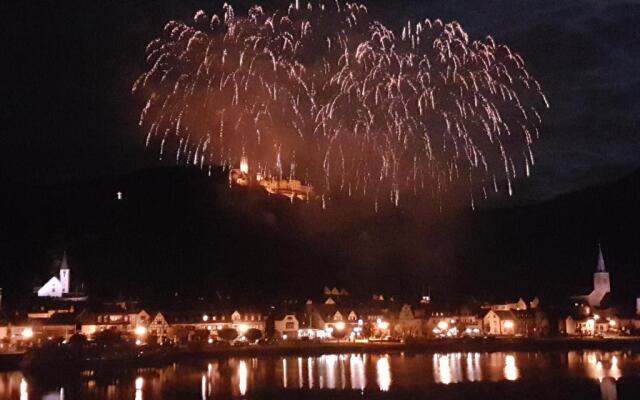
point(367, 373)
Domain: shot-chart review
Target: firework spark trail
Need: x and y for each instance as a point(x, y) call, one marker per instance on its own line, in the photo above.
point(323, 92)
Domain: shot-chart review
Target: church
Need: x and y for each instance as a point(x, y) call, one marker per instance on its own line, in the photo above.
point(58, 287)
point(601, 283)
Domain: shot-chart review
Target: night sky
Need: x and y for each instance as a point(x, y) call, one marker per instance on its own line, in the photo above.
point(68, 116)
point(68, 112)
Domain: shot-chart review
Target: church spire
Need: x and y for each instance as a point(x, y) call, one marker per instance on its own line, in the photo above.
point(600, 266)
point(64, 264)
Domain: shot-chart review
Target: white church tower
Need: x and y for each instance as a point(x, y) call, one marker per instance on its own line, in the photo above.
point(57, 286)
point(65, 273)
point(601, 282)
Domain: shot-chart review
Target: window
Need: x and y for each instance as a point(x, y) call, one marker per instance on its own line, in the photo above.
point(290, 326)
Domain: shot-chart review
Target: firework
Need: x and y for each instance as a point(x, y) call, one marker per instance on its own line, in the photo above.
point(323, 94)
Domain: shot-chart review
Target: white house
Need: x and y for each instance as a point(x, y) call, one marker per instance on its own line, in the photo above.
point(57, 287)
point(287, 325)
point(500, 322)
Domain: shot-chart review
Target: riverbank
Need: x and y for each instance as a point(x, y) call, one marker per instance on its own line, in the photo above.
point(144, 357)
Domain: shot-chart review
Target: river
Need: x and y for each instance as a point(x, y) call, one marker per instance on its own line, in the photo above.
point(501, 375)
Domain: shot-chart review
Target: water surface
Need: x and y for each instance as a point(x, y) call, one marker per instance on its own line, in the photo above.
point(568, 375)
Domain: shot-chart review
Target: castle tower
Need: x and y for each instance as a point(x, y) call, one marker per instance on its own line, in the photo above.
point(65, 274)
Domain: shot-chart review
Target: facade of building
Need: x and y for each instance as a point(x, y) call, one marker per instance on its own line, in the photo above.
point(57, 286)
point(500, 323)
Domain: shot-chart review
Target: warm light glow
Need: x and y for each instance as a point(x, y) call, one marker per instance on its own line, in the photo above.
point(443, 325)
point(243, 328)
point(243, 377)
point(596, 317)
point(205, 318)
point(383, 371)
point(210, 340)
point(612, 323)
point(140, 330)
point(340, 326)
point(356, 367)
point(284, 373)
point(24, 392)
point(244, 165)
point(508, 324)
point(27, 333)
point(442, 368)
point(382, 325)
point(139, 383)
point(511, 372)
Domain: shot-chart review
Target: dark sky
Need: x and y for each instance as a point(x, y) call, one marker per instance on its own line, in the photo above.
point(67, 110)
point(68, 116)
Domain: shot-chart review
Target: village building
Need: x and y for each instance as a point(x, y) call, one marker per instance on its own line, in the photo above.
point(294, 325)
point(59, 286)
point(499, 323)
point(407, 324)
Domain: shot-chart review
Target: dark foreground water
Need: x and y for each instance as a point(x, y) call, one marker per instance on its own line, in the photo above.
point(571, 375)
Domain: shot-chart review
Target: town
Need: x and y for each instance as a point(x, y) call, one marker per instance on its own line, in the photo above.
point(54, 314)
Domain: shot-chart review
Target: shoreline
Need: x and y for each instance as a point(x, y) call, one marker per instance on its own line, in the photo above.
point(12, 361)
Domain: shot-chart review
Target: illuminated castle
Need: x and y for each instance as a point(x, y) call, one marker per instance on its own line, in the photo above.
point(291, 188)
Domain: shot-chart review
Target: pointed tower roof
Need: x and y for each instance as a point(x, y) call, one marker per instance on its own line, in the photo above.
point(64, 264)
point(600, 267)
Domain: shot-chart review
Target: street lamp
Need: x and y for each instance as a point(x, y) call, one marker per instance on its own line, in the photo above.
point(140, 331)
point(443, 325)
point(382, 325)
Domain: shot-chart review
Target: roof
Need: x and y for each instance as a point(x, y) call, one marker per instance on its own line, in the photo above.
point(600, 267)
point(503, 314)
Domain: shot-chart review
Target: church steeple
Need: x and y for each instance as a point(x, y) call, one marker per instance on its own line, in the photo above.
point(600, 267)
point(64, 274)
point(64, 264)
